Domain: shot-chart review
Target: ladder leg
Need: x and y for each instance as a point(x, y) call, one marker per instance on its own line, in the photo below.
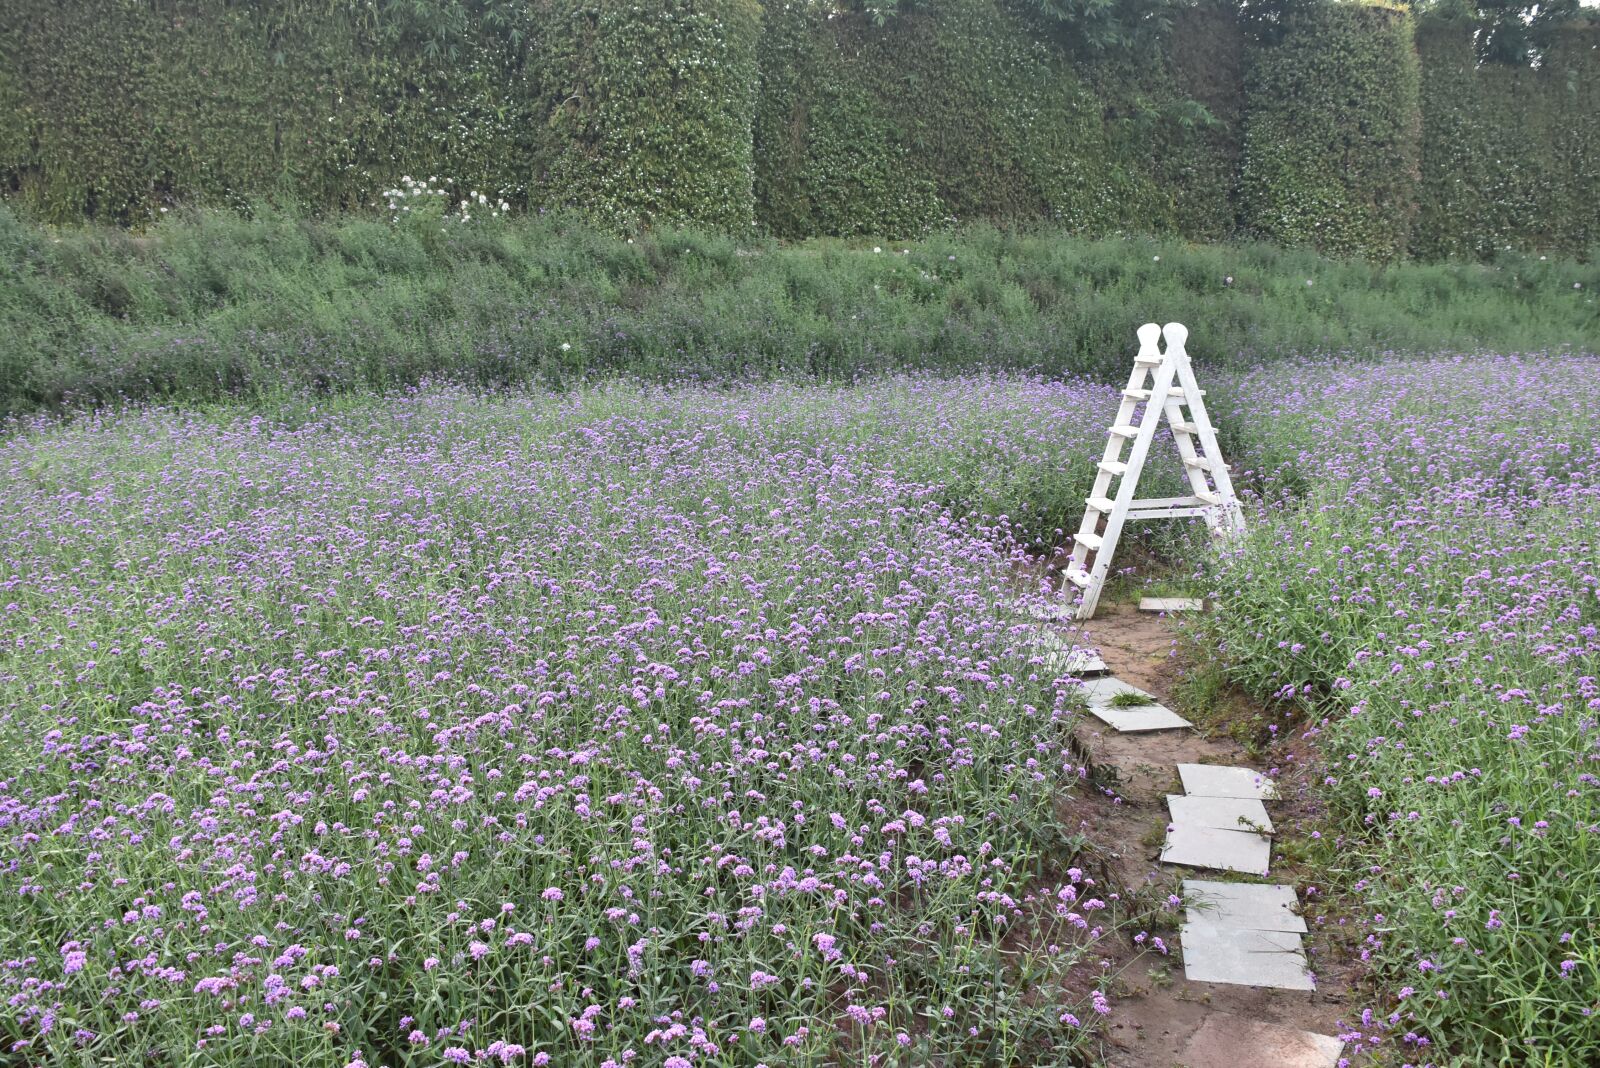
point(1232, 515)
point(1106, 545)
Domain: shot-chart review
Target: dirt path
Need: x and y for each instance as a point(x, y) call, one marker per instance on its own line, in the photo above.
point(1161, 1019)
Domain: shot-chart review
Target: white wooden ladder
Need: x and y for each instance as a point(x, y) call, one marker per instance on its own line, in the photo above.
point(1163, 385)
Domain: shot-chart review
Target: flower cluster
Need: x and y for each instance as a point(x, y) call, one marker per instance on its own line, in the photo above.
point(431, 199)
point(617, 727)
point(1424, 574)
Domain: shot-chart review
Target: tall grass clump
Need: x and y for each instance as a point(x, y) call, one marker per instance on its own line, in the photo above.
point(213, 304)
point(621, 725)
point(1423, 577)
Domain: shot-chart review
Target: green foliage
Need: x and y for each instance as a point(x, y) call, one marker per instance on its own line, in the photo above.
point(212, 304)
point(968, 109)
point(886, 118)
point(1333, 129)
point(123, 108)
point(1513, 32)
point(1099, 27)
point(656, 102)
point(1510, 154)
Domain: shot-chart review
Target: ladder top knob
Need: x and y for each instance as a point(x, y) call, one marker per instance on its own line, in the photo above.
point(1175, 333)
point(1149, 339)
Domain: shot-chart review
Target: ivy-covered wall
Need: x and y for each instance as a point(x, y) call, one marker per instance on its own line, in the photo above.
point(1510, 155)
point(1333, 129)
point(1320, 126)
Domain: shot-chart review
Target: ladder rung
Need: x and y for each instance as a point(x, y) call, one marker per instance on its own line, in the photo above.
point(1199, 463)
point(1113, 467)
point(1088, 541)
point(1147, 361)
point(1184, 427)
point(1100, 504)
point(1125, 430)
point(1209, 498)
point(1136, 394)
point(1078, 577)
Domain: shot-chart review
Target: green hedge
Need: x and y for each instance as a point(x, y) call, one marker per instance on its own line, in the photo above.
point(1333, 131)
point(131, 104)
point(967, 109)
point(1510, 155)
point(640, 111)
point(652, 110)
point(806, 117)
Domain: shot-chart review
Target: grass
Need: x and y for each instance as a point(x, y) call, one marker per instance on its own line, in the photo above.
point(214, 305)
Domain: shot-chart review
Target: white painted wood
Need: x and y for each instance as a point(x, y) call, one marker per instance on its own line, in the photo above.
point(1164, 374)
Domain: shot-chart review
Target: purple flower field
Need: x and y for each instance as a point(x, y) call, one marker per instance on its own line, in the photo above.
point(1427, 581)
point(705, 727)
point(687, 728)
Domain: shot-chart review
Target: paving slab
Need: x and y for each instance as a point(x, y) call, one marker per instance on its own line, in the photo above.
point(1228, 1041)
point(1252, 906)
point(1223, 813)
point(1208, 847)
point(1151, 716)
point(1134, 720)
point(1084, 663)
point(1171, 604)
point(1208, 780)
point(1061, 655)
point(1104, 689)
point(1216, 954)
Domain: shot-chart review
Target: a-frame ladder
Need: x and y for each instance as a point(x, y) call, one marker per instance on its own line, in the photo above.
point(1162, 385)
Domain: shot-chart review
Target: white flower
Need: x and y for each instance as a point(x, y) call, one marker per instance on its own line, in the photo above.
point(875, 248)
point(565, 347)
point(1156, 258)
point(1228, 281)
point(1308, 281)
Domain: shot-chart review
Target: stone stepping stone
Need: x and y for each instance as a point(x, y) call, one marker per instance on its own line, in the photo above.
point(1061, 655)
point(1151, 716)
point(1213, 953)
point(1084, 663)
point(1223, 813)
point(1207, 780)
point(1208, 847)
point(1171, 604)
point(1248, 905)
point(1228, 1041)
